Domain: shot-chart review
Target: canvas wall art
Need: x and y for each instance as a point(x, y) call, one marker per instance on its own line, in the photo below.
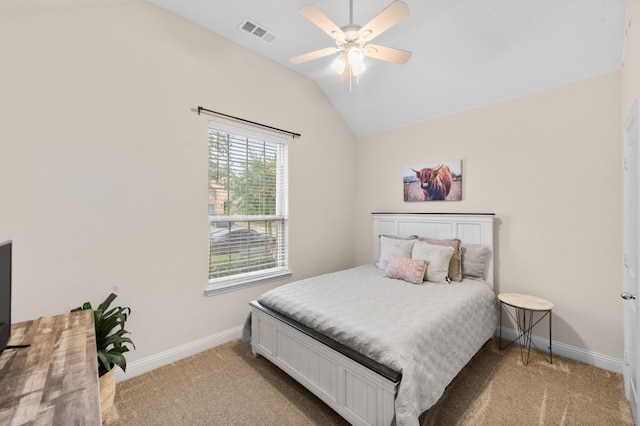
point(433, 181)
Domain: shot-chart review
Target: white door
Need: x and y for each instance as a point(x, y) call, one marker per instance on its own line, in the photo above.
point(631, 278)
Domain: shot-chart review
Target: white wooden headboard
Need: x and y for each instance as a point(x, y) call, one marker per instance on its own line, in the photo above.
point(468, 228)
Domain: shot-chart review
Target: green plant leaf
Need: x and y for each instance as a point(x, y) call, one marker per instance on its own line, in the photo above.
point(111, 339)
point(104, 305)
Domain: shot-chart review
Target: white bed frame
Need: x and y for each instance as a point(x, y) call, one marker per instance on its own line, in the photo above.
point(357, 393)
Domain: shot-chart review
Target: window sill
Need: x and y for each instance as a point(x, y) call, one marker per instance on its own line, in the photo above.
point(232, 284)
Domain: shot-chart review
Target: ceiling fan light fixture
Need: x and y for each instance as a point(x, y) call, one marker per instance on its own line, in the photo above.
point(355, 56)
point(358, 68)
point(338, 65)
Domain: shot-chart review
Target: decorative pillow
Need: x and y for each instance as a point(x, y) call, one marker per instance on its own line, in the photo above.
point(391, 246)
point(455, 264)
point(407, 269)
point(437, 257)
point(475, 261)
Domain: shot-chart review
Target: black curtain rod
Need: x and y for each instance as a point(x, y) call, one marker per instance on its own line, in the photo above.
point(293, 135)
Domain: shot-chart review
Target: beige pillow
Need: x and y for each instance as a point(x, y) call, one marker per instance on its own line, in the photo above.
point(438, 258)
point(455, 264)
point(407, 269)
point(392, 246)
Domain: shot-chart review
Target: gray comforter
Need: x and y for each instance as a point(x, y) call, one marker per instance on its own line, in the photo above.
point(427, 332)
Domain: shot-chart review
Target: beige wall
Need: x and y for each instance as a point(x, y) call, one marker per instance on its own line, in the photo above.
point(548, 165)
point(103, 175)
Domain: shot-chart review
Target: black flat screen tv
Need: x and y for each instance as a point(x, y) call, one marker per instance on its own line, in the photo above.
point(5, 294)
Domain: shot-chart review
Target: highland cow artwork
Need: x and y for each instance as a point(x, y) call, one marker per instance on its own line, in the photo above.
point(440, 181)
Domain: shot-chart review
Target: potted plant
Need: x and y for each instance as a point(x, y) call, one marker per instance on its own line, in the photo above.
point(111, 344)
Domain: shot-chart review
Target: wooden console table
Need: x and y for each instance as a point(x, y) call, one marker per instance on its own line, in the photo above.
point(54, 381)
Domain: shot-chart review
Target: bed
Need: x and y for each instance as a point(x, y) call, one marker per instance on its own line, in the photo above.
point(377, 343)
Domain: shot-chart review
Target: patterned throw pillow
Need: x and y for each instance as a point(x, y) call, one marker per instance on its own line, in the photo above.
point(407, 269)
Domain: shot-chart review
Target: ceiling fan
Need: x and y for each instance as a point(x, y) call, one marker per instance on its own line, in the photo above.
point(351, 40)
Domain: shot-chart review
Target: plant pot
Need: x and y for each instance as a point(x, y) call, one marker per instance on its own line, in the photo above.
point(107, 393)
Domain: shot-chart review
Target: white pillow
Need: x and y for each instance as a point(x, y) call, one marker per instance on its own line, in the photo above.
point(455, 265)
point(437, 257)
point(390, 246)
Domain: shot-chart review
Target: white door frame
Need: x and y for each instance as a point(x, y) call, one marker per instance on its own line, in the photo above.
point(631, 293)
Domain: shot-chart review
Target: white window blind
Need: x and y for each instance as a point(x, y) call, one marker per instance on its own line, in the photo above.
point(248, 204)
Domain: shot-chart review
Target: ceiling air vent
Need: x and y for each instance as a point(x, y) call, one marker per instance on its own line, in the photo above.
point(257, 30)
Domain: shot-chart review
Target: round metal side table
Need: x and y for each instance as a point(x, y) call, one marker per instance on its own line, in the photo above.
point(525, 304)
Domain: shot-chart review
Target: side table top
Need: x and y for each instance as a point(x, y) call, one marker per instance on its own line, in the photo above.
point(525, 301)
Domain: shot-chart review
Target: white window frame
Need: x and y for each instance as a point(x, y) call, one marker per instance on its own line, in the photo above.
point(281, 271)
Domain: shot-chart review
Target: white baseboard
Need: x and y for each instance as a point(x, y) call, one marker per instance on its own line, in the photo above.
point(152, 362)
point(567, 351)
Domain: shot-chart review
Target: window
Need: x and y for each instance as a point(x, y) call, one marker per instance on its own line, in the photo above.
point(248, 193)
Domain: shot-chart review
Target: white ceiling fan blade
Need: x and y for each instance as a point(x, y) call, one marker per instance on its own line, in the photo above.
point(386, 19)
point(313, 55)
point(388, 54)
point(321, 21)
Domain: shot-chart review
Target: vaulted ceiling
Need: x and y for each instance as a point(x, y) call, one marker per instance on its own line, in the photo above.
point(466, 53)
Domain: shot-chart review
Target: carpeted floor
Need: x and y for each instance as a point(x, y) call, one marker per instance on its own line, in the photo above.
point(227, 385)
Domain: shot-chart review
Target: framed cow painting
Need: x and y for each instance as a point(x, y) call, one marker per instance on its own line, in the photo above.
point(441, 181)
